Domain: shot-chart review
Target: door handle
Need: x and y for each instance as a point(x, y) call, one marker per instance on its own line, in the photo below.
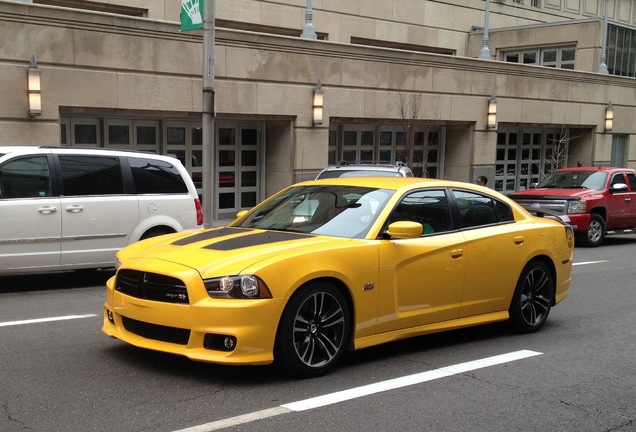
point(457, 253)
point(519, 240)
point(76, 208)
point(47, 209)
point(628, 199)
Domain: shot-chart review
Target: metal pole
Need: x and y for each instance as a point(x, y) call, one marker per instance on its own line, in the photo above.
point(209, 149)
point(309, 31)
point(485, 50)
point(602, 68)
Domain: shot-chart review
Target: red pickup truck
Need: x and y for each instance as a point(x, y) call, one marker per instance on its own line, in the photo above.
point(596, 199)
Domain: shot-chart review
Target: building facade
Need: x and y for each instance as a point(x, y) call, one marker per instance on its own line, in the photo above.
point(400, 80)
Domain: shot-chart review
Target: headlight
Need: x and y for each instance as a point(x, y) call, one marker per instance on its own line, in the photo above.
point(245, 287)
point(577, 206)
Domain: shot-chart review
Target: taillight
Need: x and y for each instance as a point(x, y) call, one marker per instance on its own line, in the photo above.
point(197, 205)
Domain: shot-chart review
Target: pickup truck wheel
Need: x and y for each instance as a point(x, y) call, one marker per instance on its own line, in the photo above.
point(595, 232)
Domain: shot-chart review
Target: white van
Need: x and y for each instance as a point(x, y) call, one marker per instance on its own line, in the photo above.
point(63, 208)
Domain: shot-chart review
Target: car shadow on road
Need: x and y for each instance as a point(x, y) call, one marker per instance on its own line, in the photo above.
point(357, 362)
point(55, 280)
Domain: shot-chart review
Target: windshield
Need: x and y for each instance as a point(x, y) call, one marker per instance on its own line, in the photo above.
point(359, 173)
point(339, 211)
point(575, 180)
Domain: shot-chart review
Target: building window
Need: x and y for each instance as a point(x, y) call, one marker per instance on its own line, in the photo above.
point(556, 57)
point(621, 51)
point(526, 156)
point(369, 143)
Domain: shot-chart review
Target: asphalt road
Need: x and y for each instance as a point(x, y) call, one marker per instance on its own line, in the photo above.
point(577, 374)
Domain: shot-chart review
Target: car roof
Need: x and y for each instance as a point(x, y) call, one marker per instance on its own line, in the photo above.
point(395, 183)
point(24, 150)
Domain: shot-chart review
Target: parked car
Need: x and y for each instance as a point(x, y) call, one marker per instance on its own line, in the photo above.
point(596, 199)
point(67, 208)
point(330, 265)
point(363, 169)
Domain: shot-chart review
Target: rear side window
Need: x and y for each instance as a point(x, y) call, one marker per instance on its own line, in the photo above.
point(478, 210)
point(632, 181)
point(26, 177)
point(156, 177)
point(91, 175)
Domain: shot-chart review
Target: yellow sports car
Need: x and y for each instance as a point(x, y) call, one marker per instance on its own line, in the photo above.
point(340, 264)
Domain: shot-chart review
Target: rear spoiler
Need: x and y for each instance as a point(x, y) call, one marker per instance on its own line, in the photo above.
point(548, 214)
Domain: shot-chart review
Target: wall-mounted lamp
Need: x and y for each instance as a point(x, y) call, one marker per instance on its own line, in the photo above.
point(609, 117)
point(34, 89)
point(492, 112)
point(317, 104)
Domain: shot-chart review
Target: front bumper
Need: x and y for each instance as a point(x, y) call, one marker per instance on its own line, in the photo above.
point(579, 221)
point(196, 330)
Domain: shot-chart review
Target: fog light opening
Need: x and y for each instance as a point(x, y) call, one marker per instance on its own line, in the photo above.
point(229, 343)
point(219, 342)
point(110, 316)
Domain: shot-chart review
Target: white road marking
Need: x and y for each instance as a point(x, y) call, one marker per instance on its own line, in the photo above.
point(43, 320)
point(366, 390)
point(590, 262)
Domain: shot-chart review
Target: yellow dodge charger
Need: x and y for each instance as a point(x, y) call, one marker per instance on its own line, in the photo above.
point(332, 265)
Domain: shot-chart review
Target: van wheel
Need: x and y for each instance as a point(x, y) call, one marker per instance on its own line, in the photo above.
point(595, 233)
point(154, 232)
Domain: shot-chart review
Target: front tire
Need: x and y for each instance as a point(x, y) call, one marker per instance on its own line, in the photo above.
point(595, 233)
point(532, 299)
point(313, 331)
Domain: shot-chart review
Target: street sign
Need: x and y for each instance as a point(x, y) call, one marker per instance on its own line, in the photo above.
point(191, 15)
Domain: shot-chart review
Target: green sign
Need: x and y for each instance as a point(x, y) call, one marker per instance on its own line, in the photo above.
point(191, 15)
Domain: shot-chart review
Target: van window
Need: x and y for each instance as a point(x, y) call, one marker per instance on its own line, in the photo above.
point(91, 175)
point(156, 177)
point(27, 177)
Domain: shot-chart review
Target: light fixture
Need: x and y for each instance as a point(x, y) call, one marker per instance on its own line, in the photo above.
point(317, 104)
point(492, 112)
point(34, 88)
point(609, 117)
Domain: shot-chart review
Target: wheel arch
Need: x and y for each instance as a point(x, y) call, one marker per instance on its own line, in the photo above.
point(549, 263)
point(342, 288)
point(601, 211)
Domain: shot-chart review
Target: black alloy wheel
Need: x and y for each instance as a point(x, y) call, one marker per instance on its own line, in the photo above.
point(313, 331)
point(532, 299)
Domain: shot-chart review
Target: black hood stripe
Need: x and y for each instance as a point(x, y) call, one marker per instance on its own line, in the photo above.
point(256, 240)
point(210, 235)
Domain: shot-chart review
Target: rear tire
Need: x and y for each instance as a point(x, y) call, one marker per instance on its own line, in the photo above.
point(532, 299)
point(313, 331)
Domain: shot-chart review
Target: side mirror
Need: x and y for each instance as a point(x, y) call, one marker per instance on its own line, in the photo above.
point(241, 214)
point(618, 187)
point(405, 229)
point(533, 185)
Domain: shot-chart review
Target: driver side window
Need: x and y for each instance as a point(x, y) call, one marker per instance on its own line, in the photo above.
point(427, 207)
point(26, 177)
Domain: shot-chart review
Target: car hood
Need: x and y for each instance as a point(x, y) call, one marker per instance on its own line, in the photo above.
point(553, 193)
point(229, 250)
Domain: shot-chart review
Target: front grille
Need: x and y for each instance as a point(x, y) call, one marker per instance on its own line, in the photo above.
point(151, 286)
point(156, 332)
point(559, 206)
